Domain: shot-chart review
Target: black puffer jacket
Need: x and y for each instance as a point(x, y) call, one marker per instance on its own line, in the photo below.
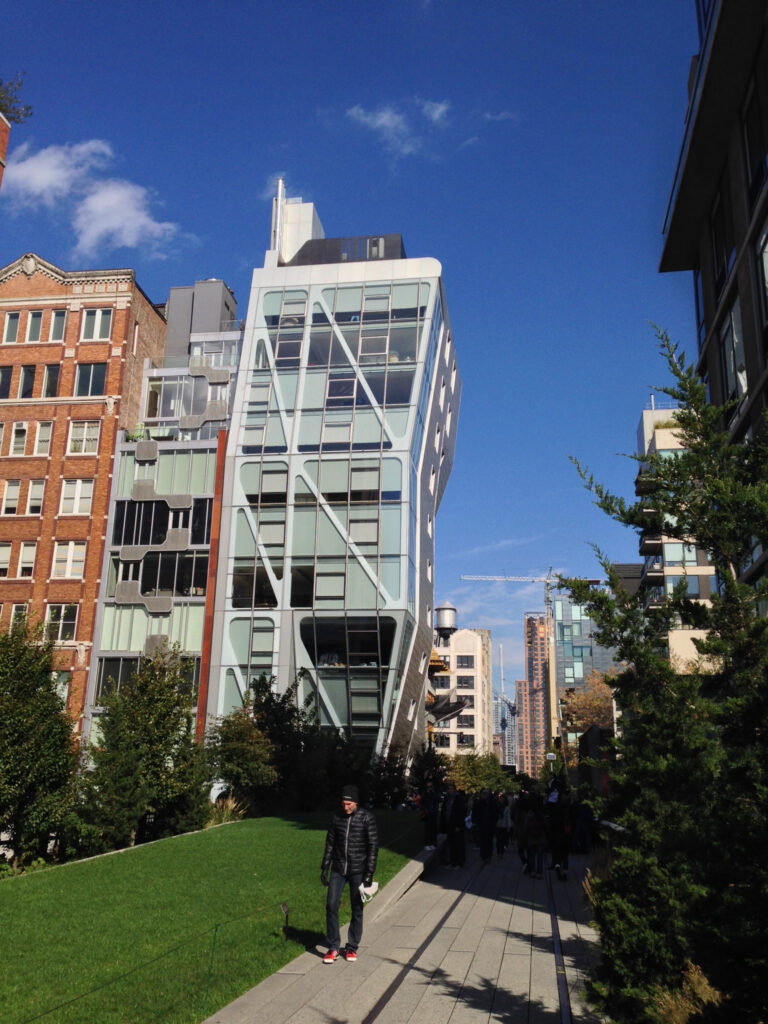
point(352, 844)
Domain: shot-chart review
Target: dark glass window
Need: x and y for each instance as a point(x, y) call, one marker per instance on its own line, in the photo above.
point(91, 379)
point(26, 381)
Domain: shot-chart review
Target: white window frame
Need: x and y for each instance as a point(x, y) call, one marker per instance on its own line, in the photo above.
point(77, 493)
point(18, 612)
point(11, 318)
point(62, 621)
point(54, 314)
point(5, 559)
point(22, 370)
point(27, 555)
point(97, 316)
point(86, 425)
point(87, 369)
point(14, 487)
point(36, 490)
point(68, 555)
point(19, 438)
point(34, 316)
point(43, 442)
point(46, 374)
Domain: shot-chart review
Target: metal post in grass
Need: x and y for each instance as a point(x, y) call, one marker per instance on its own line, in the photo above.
point(210, 967)
point(284, 908)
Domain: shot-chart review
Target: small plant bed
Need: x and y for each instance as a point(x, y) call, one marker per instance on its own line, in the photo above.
point(173, 930)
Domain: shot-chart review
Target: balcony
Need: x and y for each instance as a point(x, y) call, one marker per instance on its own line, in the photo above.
point(650, 544)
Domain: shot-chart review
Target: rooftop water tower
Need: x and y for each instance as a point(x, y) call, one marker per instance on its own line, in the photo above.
point(445, 620)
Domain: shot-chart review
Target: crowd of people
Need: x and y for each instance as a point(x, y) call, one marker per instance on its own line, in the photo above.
point(555, 823)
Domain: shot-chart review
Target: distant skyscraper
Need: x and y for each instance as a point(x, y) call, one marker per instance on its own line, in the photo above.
point(505, 727)
point(531, 694)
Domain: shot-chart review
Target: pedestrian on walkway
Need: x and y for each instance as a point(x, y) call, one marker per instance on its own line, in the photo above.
point(429, 805)
point(503, 824)
point(351, 849)
point(484, 815)
point(452, 823)
point(535, 839)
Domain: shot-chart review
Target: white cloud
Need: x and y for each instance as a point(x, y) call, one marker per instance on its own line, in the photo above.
point(114, 215)
point(105, 213)
point(435, 112)
point(502, 115)
point(391, 126)
point(53, 173)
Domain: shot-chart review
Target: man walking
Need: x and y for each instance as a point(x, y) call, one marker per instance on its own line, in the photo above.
point(351, 849)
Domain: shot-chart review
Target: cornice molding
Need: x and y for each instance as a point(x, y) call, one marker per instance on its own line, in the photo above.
point(30, 264)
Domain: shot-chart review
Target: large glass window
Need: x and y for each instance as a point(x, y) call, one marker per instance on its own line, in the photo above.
point(27, 558)
point(34, 325)
point(69, 559)
point(76, 497)
point(83, 437)
point(26, 381)
point(5, 381)
point(677, 553)
point(58, 319)
point(51, 380)
point(61, 622)
point(754, 130)
point(18, 439)
point(97, 324)
point(91, 379)
point(35, 497)
point(11, 328)
point(43, 437)
point(722, 235)
point(11, 497)
point(732, 354)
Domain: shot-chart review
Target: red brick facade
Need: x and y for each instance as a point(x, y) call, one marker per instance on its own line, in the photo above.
point(72, 347)
point(5, 131)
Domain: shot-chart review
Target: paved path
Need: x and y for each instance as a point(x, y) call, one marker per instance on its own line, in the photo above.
point(481, 944)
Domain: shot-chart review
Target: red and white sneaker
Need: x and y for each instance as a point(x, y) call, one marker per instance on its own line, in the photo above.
point(331, 956)
point(350, 956)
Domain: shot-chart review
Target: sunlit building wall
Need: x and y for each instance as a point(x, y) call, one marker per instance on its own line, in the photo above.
point(340, 447)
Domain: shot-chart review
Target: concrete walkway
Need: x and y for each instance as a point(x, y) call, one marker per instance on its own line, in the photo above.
point(483, 943)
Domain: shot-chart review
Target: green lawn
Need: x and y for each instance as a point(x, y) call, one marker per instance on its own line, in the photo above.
point(132, 938)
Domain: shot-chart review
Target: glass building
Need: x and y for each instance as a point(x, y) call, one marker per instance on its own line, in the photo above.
point(325, 463)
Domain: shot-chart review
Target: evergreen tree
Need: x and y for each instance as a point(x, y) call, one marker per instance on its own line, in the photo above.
point(14, 110)
point(688, 884)
point(37, 748)
point(240, 755)
point(148, 778)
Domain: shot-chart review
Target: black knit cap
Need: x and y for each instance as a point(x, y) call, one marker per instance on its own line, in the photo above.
point(350, 792)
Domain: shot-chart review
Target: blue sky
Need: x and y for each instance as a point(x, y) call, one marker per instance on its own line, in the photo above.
point(529, 145)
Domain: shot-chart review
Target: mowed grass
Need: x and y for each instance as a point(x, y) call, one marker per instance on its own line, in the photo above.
point(132, 937)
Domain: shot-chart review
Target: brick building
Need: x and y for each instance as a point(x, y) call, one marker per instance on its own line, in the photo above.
point(72, 347)
point(5, 132)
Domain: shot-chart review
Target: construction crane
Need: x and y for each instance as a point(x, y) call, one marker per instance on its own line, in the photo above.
point(548, 581)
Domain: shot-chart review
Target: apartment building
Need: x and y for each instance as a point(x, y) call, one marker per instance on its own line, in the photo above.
point(467, 657)
point(72, 346)
point(160, 556)
point(716, 224)
point(667, 560)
